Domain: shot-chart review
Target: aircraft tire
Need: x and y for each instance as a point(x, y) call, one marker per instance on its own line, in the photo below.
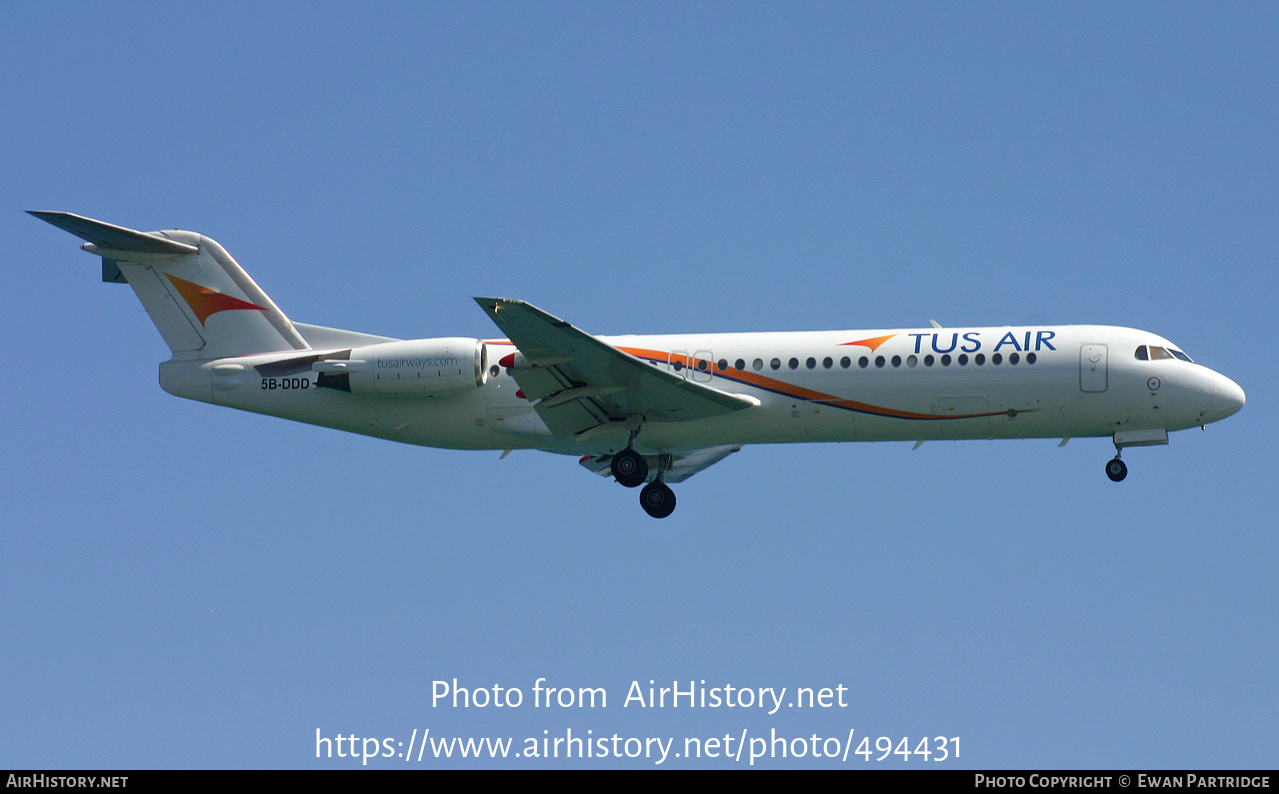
point(1116, 470)
point(657, 499)
point(630, 468)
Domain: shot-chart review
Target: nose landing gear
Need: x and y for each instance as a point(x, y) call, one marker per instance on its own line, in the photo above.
point(1116, 469)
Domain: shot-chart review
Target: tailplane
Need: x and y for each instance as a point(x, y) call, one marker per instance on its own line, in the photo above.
point(203, 303)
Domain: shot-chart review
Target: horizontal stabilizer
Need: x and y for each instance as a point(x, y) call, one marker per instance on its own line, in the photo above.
point(200, 299)
point(317, 336)
point(109, 235)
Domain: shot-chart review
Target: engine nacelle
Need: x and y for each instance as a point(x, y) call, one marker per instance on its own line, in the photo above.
point(425, 367)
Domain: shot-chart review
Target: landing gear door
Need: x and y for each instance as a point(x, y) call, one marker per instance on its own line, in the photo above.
point(1092, 368)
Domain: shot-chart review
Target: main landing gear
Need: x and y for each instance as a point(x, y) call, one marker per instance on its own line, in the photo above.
point(657, 499)
point(631, 469)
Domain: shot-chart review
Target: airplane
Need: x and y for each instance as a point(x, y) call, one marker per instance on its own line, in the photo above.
point(648, 410)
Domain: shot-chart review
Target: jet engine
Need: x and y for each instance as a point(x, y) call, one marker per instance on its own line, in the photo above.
point(420, 367)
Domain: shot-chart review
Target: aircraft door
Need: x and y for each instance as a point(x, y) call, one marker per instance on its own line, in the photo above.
point(1092, 368)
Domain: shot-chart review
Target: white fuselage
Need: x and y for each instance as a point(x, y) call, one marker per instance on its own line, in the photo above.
point(869, 385)
point(646, 410)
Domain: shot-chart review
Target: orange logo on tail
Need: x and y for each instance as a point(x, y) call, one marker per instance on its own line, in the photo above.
point(205, 301)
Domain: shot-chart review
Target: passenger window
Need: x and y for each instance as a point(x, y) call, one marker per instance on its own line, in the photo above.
point(775, 363)
point(757, 364)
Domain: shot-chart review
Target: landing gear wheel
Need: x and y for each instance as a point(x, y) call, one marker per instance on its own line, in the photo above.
point(630, 468)
point(1116, 470)
point(657, 499)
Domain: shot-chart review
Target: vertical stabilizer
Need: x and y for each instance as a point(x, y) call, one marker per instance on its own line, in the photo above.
point(203, 303)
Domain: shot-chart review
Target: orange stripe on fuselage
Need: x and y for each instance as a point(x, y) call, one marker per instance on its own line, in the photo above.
point(799, 392)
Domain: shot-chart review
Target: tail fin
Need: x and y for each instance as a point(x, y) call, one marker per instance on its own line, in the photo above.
point(200, 299)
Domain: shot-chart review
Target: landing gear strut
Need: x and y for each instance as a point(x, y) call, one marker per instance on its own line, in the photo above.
point(629, 467)
point(657, 498)
point(1116, 469)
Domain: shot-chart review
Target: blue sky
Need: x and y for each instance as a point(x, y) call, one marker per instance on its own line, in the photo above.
point(187, 586)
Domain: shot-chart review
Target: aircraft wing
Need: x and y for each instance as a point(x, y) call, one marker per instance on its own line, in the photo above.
point(578, 384)
point(681, 468)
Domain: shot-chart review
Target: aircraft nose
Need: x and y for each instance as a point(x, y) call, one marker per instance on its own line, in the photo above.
point(1227, 397)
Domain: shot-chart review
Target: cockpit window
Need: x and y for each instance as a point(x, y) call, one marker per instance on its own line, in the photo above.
point(1156, 353)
